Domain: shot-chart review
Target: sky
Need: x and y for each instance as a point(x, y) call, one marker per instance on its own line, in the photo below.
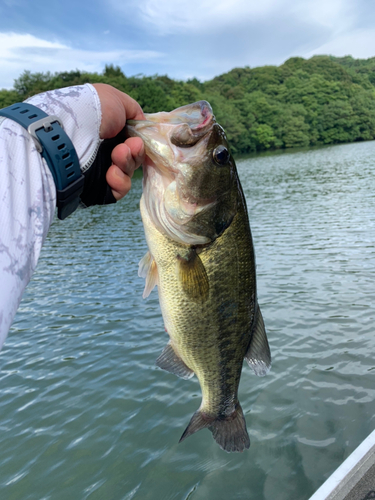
point(179, 38)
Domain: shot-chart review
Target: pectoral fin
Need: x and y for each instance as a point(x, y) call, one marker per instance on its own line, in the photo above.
point(193, 276)
point(258, 355)
point(171, 362)
point(148, 270)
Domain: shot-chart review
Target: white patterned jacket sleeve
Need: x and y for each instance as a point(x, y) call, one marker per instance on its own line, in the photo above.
point(27, 189)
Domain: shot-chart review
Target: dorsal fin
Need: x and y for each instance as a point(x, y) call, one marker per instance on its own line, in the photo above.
point(258, 354)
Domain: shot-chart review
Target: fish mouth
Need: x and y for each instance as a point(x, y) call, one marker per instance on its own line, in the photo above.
point(184, 126)
point(167, 136)
point(197, 115)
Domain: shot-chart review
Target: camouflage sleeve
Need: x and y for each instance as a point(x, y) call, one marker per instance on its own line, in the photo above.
point(27, 190)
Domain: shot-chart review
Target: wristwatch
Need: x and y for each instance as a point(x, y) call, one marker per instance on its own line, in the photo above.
point(57, 149)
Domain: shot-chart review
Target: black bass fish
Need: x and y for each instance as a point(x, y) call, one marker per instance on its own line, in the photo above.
point(201, 258)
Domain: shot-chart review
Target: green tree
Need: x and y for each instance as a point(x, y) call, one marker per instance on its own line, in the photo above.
point(265, 136)
point(8, 97)
point(337, 122)
point(321, 100)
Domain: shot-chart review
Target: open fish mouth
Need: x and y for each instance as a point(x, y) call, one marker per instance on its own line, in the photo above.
point(183, 127)
point(183, 177)
point(197, 116)
point(173, 138)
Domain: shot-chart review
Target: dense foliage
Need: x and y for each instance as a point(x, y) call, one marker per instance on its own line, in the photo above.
point(322, 100)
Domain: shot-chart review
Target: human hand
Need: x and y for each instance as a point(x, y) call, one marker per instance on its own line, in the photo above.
point(118, 107)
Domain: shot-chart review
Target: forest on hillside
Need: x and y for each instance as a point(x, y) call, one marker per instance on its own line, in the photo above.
point(322, 100)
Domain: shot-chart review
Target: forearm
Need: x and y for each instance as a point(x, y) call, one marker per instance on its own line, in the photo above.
point(27, 190)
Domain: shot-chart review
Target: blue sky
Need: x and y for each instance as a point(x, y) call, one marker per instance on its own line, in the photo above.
point(181, 38)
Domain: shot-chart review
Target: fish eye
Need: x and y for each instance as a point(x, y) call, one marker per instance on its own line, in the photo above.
point(221, 155)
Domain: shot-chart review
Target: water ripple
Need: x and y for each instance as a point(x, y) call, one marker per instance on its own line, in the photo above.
point(84, 411)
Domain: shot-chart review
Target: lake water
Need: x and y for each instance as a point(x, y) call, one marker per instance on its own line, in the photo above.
point(86, 414)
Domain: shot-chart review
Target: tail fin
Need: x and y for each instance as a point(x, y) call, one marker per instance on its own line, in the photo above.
point(230, 432)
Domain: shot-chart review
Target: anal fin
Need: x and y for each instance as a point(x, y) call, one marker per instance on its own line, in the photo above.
point(171, 362)
point(258, 355)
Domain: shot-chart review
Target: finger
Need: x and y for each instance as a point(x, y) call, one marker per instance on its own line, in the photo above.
point(137, 148)
point(129, 155)
point(118, 181)
point(126, 158)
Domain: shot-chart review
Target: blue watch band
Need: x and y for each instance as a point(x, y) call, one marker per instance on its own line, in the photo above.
point(56, 148)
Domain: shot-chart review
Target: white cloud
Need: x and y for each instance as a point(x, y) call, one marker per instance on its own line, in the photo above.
point(358, 43)
point(204, 16)
point(19, 52)
point(208, 37)
point(212, 15)
point(201, 38)
point(336, 15)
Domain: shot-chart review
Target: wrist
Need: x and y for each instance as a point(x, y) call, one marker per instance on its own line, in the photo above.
point(52, 142)
point(79, 110)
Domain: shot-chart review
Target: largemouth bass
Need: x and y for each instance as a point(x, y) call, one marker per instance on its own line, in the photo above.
point(202, 260)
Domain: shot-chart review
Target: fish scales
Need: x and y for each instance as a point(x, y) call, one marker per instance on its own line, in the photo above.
point(215, 333)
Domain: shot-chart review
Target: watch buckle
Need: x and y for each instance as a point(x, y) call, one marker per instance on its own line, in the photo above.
point(45, 123)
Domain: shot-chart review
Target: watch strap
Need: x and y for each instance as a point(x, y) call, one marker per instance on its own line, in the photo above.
point(56, 148)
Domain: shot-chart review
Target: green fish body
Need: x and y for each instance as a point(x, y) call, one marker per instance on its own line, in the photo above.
point(201, 258)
